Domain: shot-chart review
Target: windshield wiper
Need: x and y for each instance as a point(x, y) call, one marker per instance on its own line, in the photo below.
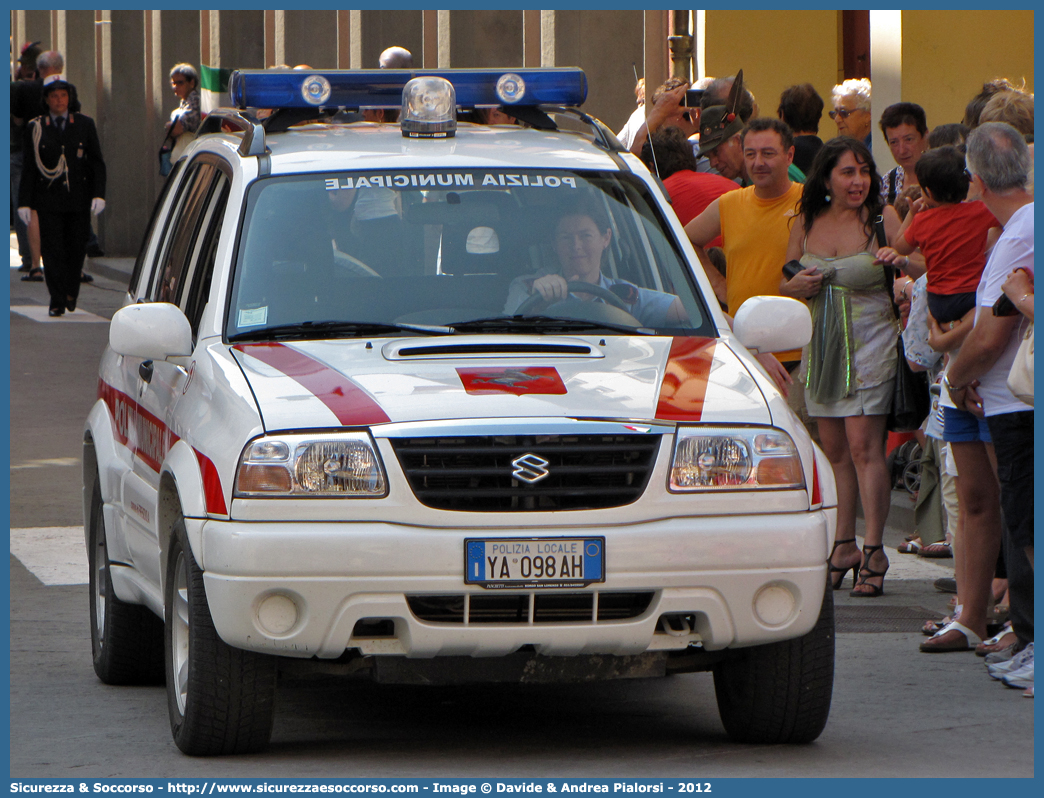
point(320, 329)
point(545, 324)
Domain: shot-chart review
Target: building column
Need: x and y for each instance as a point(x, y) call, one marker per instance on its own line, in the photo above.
point(445, 29)
point(344, 39)
point(237, 40)
point(531, 38)
point(275, 42)
point(609, 58)
point(547, 38)
point(123, 125)
point(355, 33)
point(371, 32)
point(656, 58)
point(699, 35)
point(886, 65)
point(309, 37)
point(485, 38)
point(75, 37)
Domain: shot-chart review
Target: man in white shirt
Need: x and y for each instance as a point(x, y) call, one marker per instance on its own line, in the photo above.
point(1001, 166)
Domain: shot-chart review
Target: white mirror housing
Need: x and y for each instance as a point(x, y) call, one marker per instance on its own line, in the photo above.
point(151, 331)
point(772, 324)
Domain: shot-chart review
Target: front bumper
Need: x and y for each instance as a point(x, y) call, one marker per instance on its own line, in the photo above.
point(301, 589)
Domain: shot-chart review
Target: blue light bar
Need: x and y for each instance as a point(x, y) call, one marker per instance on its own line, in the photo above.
point(382, 88)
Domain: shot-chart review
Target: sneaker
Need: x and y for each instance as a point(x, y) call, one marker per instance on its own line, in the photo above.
point(1002, 669)
point(996, 657)
point(1022, 678)
point(946, 584)
point(1028, 693)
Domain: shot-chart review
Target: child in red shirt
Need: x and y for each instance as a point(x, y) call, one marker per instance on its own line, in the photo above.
point(951, 233)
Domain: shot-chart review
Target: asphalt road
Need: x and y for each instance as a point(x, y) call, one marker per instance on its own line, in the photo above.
point(896, 712)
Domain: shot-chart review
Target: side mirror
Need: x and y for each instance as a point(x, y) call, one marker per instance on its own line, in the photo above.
point(151, 331)
point(772, 324)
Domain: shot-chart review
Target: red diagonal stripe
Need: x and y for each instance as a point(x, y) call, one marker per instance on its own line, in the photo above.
point(684, 383)
point(131, 422)
point(350, 403)
point(212, 490)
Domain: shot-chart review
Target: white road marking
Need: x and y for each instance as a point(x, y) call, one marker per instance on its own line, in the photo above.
point(45, 463)
point(39, 313)
point(56, 555)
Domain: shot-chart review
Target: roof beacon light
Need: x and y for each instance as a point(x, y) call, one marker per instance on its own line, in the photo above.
point(511, 88)
point(429, 109)
point(383, 88)
point(315, 90)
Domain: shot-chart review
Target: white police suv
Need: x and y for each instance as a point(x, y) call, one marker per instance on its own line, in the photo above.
point(439, 401)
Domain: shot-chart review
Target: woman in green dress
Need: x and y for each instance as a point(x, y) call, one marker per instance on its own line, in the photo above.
point(851, 360)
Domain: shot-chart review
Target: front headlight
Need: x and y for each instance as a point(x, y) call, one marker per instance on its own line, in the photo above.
point(340, 464)
point(734, 458)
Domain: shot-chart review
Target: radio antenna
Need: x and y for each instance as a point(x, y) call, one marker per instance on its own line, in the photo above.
point(648, 135)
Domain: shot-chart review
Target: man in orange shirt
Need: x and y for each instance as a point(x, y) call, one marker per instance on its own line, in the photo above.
point(754, 222)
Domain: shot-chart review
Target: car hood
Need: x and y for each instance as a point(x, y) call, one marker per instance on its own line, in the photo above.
point(336, 383)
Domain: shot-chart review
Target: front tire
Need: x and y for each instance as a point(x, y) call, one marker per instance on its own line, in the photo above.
point(221, 699)
point(126, 639)
point(780, 692)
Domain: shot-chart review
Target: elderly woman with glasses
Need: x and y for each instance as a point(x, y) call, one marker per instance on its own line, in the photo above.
point(851, 110)
point(185, 119)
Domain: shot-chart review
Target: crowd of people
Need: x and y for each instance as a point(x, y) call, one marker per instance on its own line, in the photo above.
point(903, 272)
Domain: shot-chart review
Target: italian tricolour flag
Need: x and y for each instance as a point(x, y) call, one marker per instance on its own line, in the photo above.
point(213, 88)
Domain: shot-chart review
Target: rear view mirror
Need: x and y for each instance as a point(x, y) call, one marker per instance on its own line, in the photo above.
point(772, 324)
point(151, 331)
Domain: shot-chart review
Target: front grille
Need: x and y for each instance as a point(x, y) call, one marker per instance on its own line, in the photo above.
point(513, 608)
point(474, 473)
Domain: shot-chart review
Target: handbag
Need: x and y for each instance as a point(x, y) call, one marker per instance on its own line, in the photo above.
point(164, 157)
point(1020, 378)
point(911, 401)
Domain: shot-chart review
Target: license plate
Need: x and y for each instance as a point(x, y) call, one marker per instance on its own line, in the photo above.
point(534, 562)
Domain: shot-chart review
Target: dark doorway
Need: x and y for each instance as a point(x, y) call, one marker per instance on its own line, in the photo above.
point(855, 43)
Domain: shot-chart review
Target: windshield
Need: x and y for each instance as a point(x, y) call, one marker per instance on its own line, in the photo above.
point(445, 251)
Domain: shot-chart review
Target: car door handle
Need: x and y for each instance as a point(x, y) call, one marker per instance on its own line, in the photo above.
point(145, 371)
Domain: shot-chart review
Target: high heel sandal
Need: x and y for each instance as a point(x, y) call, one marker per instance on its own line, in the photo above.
point(870, 573)
point(843, 571)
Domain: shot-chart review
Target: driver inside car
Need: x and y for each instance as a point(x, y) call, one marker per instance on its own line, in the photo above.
point(581, 238)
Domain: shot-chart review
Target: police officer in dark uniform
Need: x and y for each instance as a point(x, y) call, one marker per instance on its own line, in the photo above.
point(63, 180)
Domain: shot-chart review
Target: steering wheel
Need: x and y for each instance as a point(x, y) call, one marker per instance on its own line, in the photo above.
point(537, 300)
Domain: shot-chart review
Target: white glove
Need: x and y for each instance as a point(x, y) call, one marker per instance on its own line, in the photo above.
point(97, 206)
point(25, 214)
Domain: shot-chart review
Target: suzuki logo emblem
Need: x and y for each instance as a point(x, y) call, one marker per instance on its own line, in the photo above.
point(530, 468)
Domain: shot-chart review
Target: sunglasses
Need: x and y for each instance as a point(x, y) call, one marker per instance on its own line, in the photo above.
point(844, 113)
point(968, 175)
